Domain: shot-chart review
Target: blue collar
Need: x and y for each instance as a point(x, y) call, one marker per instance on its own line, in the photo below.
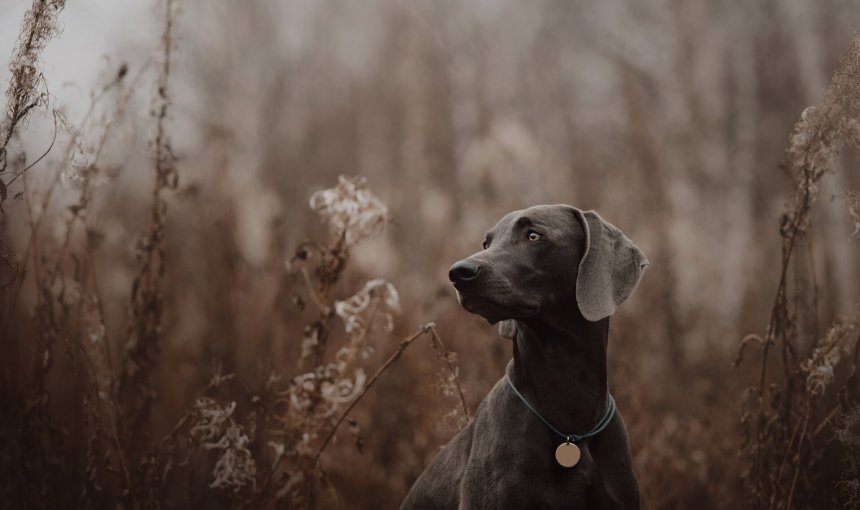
point(571, 438)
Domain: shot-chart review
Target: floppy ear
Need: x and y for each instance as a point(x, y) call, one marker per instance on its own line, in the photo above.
point(508, 329)
point(609, 270)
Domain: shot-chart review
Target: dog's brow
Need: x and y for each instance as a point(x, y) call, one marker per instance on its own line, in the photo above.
point(524, 221)
point(488, 237)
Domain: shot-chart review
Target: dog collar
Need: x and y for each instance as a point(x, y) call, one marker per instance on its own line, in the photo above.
point(567, 454)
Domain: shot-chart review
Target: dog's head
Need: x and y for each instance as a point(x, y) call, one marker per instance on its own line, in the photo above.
point(546, 259)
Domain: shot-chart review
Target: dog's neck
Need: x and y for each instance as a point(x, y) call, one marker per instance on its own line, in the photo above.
point(560, 367)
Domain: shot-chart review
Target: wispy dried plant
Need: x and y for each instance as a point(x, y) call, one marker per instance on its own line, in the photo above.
point(785, 418)
point(311, 400)
point(216, 429)
point(351, 210)
point(27, 88)
point(147, 301)
point(321, 400)
point(68, 314)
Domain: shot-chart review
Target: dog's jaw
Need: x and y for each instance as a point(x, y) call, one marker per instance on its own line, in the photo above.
point(494, 310)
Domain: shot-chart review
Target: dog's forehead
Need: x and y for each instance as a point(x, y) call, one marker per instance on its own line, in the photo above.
point(548, 215)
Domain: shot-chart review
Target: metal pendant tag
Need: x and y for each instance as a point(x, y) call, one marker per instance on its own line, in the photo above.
point(567, 454)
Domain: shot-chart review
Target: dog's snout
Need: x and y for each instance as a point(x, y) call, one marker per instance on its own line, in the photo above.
point(463, 271)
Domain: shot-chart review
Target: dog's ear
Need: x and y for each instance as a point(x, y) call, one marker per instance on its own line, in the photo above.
point(610, 269)
point(508, 329)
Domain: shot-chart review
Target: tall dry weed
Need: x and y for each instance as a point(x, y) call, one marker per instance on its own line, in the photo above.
point(788, 417)
point(27, 88)
point(147, 304)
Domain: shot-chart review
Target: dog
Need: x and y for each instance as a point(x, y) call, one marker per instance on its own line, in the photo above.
point(550, 275)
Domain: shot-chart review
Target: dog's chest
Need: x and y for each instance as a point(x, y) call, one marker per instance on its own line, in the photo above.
point(509, 478)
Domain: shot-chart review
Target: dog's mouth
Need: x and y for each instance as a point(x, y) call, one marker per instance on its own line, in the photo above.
point(492, 309)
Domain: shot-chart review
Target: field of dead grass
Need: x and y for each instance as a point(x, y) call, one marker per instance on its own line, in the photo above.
point(257, 315)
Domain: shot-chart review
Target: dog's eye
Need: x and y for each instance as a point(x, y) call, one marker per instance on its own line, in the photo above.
point(484, 245)
point(533, 236)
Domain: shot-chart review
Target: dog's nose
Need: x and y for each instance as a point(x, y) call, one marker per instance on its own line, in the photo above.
point(463, 271)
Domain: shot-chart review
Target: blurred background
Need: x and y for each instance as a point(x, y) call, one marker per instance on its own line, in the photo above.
point(670, 118)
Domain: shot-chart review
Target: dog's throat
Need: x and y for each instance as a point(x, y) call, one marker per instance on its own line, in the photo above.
point(567, 454)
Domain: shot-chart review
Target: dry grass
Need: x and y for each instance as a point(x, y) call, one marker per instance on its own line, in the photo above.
point(232, 325)
point(791, 418)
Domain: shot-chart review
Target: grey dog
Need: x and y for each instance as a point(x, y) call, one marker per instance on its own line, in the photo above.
point(551, 275)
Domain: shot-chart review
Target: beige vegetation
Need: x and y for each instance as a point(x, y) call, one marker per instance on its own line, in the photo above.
point(223, 278)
